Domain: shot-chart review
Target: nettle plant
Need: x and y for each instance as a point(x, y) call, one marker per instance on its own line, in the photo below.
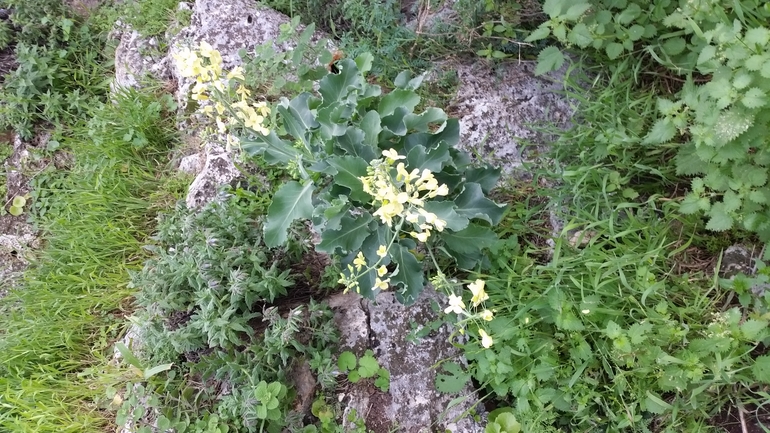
point(384, 186)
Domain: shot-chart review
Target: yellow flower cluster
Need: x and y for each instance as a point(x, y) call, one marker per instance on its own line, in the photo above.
point(456, 305)
point(403, 195)
point(205, 65)
point(360, 267)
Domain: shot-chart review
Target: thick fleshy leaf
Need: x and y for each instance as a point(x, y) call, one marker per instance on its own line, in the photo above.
point(398, 98)
point(394, 123)
point(371, 126)
point(421, 122)
point(432, 159)
point(471, 203)
point(404, 80)
point(485, 176)
point(297, 117)
point(445, 210)
point(469, 240)
point(335, 87)
point(348, 170)
point(292, 201)
point(333, 119)
point(275, 150)
point(348, 237)
point(353, 143)
point(409, 277)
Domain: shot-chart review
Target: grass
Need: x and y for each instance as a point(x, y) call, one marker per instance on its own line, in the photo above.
point(69, 312)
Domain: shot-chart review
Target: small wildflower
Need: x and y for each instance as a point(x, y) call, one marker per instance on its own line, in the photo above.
point(456, 305)
point(479, 295)
point(586, 311)
point(422, 237)
point(381, 284)
point(237, 72)
point(486, 340)
point(392, 155)
point(382, 270)
point(487, 315)
point(382, 251)
point(359, 261)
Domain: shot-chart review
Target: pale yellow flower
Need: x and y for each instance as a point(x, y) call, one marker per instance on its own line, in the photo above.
point(382, 251)
point(487, 315)
point(456, 305)
point(382, 270)
point(422, 237)
point(237, 72)
point(486, 340)
point(359, 261)
point(392, 155)
point(381, 284)
point(479, 295)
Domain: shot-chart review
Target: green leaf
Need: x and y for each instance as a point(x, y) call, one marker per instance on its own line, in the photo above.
point(487, 177)
point(433, 159)
point(471, 203)
point(398, 98)
point(761, 369)
point(755, 62)
point(576, 11)
point(613, 330)
point(383, 380)
point(371, 126)
point(754, 98)
point(549, 59)
point(674, 46)
point(292, 201)
point(129, 356)
point(404, 80)
point(719, 220)
point(469, 240)
point(354, 376)
point(297, 117)
point(581, 35)
point(409, 276)
point(613, 50)
point(707, 53)
point(335, 87)
point(15, 210)
point(662, 131)
point(752, 329)
point(655, 404)
point(635, 32)
point(19, 201)
point(364, 62)
point(553, 7)
point(691, 204)
point(368, 365)
point(445, 210)
point(348, 170)
point(349, 237)
point(276, 151)
point(346, 361)
point(421, 122)
point(354, 143)
point(150, 372)
point(757, 36)
point(732, 201)
point(629, 14)
point(454, 380)
point(541, 32)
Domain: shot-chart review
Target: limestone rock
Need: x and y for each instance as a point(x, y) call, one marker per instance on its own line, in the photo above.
point(135, 58)
point(498, 107)
point(412, 403)
point(217, 171)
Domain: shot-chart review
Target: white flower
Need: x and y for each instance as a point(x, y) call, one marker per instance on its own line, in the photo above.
point(382, 251)
point(456, 305)
point(486, 340)
point(479, 295)
point(487, 315)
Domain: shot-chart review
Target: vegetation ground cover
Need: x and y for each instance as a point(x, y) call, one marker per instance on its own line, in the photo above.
point(605, 325)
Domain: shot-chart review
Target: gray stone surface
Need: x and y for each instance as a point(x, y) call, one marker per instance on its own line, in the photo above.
point(498, 106)
point(136, 57)
point(412, 404)
point(218, 170)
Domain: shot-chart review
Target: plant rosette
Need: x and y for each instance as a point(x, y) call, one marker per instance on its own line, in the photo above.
point(379, 182)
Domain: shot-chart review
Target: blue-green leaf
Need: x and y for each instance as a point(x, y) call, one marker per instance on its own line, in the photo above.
point(432, 159)
point(370, 125)
point(487, 177)
point(469, 240)
point(421, 122)
point(275, 150)
point(349, 237)
point(471, 203)
point(297, 117)
point(292, 201)
point(445, 210)
point(409, 276)
point(399, 98)
point(348, 169)
point(335, 87)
